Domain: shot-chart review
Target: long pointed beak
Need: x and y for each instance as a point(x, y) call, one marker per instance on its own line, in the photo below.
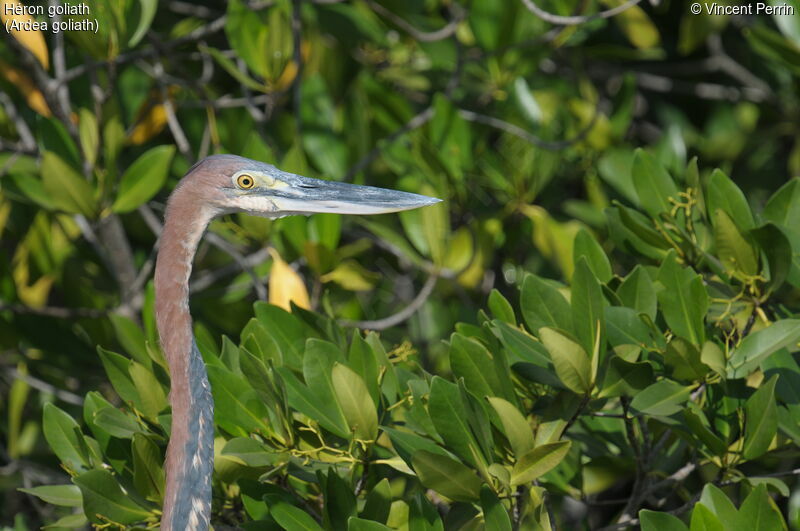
point(304, 195)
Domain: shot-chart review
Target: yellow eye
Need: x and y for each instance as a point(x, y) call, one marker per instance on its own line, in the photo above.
point(245, 181)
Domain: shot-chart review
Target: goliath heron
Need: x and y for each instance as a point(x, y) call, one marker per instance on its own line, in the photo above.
point(218, 185)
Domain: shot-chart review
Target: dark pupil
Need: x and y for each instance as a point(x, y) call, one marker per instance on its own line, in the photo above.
point(245, 182)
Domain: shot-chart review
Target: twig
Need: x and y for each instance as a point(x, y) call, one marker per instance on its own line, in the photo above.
point(523, 134)
point(635, 521)
point(53, 311)
point(417, 121)
point(297, 57)
point(402, 315)
point(575, 20)
point(703, 90)
point(41, 385)
point(207, 279)
point(424, 36)
point(196, 35)
point(192, 9)
point(27, 140)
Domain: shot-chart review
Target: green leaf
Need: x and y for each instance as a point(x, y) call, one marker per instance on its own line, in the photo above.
point(684, 360)
point(723, 194)
point(65, 438)
point(378, 503)
point(249, 452)
point(542, 305)
point(626, 327)
point(736, 252)
point(761, 420)
point(131, 337)
point(449, 415)
point(302, 399)
point(638, 292)
point(89, 135)
point(152, 399)
point(626, 379)
point(571, 361)
point(66, 188)
point(446, 476)
point(72, 521)
point(663, 398)
point(340, 502)
point(407, 443)
point(116, 423)
point(683, 299)
point(147, 11)
point(148, 474)
point(144, 178)
point(423, 516)
point(359, 524)
point(102, 496)
point(588, 316)
point(718, 502)
point(655, 521)
point(230, 67)
point(356, 404)
point(291, 518)
point(704, 520)
point(758, 511)
point(287, 331)
point(63, 495)
point(495, 515)
point(435, 226)
point(238, 408)
point(539, 461)
point(586, 246)
point(653, 184)
point(698, 424)
point(778, 250)
point(783, 208)
point(500, 307)
point(517, 430)
point(758, 345)
point(470, 360)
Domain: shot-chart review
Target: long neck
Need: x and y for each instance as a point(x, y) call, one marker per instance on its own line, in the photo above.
point(189, 461)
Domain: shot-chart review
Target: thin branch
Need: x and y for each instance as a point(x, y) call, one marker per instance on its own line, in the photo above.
point(207, 279)
point(41, 385)
point(702, 90)
point(194, 36)
point(53, 311)
point(27, 140)
point(575, 20)
point(417, 121)
point(297, 57)
point(525, 135)
point(402, 315)
point(424, 36)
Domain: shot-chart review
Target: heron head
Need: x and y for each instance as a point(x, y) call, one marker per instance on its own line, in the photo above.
point(237, 184)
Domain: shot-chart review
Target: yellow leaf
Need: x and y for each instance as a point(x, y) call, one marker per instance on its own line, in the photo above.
point(149, 125)
point(636, 25)
point(285, 285)
point(351, 276)
point(24, 84)
point(33, 39)
point(35, 294)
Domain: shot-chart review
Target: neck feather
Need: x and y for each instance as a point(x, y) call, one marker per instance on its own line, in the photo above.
point(189, 395)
